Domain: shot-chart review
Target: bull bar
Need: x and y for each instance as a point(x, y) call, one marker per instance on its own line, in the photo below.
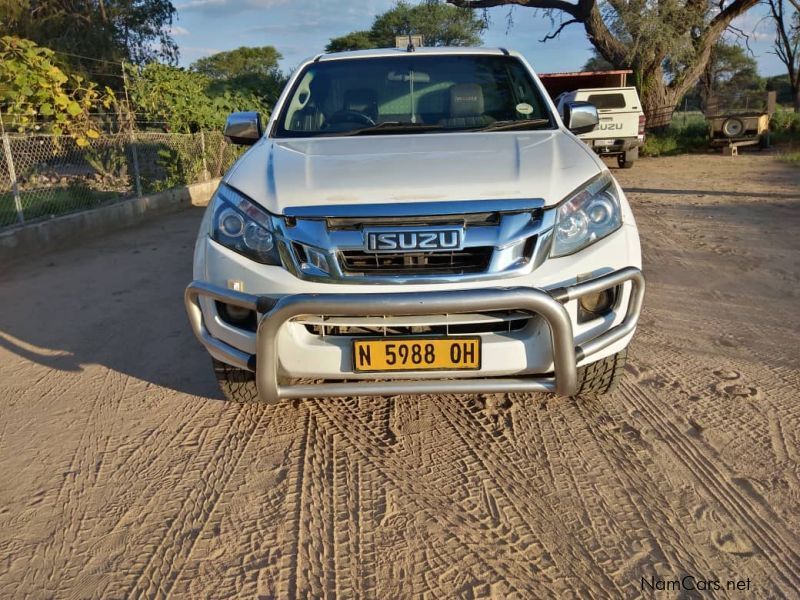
point(549, 304)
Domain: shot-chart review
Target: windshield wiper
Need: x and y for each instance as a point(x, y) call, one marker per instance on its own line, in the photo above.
point(511, 125)
point(391, 127)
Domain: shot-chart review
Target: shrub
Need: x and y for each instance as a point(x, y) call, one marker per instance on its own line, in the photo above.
point(678, 138)
point(785, 126)
point(36, 94)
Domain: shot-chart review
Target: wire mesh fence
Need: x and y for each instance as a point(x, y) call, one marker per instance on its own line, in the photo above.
point(43, 176)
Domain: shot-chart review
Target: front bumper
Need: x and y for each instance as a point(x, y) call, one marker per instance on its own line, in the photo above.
point(548, 304)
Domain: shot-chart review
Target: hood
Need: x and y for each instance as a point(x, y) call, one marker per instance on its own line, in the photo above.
point(285, 173)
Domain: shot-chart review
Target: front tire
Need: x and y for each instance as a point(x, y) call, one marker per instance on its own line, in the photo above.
point(602, 376)
point(237, 385)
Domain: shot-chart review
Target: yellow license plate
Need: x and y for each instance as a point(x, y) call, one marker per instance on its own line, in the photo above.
point(417, 354)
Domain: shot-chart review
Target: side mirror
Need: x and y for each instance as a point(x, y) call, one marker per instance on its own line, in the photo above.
point(580, 117)
point(243, 128)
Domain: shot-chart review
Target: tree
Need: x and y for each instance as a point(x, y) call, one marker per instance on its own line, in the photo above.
point(730, 73)
point(105, 30)
point(36, 94)
point(261, 60)
point(597, 63)
point(787, 42)
point(437, 22)
point(645, 37)
point(357, 40)
point(251, 71)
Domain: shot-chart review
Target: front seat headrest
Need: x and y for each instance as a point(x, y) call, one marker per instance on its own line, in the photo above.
point(466, 100)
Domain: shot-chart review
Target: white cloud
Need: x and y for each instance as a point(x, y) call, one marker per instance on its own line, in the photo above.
point(190, 54)
point(177, 30)
point(227, 6)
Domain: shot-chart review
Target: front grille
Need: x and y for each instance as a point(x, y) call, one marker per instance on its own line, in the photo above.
point(393, 326)
point(468, 260)
point(438, 330)
point(487, 219)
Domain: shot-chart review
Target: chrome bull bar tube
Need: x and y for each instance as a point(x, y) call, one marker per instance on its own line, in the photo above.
point(529, 300)
point(217, 348)
point(547, 304)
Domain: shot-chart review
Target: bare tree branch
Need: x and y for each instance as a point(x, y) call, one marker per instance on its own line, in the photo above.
point(787, 45)
point(705, 42)
point(554, 34)
point(570, 9)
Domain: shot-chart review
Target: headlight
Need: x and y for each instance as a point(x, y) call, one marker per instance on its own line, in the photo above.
point(590, 214)
point(238, 224)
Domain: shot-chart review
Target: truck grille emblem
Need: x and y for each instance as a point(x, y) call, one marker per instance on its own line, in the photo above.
point(408, 240)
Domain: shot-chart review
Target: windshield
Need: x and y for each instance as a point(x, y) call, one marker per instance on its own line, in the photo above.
point(412, 94)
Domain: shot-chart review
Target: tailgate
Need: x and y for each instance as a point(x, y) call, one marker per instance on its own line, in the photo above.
point(615, 124)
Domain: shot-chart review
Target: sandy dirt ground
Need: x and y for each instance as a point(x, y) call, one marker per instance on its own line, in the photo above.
point(123, 474)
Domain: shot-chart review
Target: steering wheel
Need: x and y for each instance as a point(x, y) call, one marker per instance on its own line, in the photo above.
point(349, 116)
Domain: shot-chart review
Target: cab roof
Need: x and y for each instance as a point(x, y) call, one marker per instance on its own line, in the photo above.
point(385, 52)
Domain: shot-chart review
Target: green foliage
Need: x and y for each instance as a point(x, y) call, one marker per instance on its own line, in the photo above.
point(785, 126)
point(110, 164)
point(679, 138)
point(780, 84)
point(437, 22)
point(113, 30)
point(36, 94)
point(242, 61)
point(250, 72)
point(356, 40)
point(179, 168)
point(184, 101)
point(597, 63)
point(731, 77)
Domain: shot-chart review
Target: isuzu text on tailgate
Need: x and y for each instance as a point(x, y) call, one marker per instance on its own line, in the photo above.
point(416, 222)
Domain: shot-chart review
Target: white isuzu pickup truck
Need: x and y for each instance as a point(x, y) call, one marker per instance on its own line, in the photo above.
point(620, 132)
point(416, 222)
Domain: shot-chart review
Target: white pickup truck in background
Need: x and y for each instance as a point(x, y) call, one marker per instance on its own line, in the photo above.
point(621, 128)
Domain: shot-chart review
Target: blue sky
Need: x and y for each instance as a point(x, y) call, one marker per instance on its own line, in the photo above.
point(301, 28)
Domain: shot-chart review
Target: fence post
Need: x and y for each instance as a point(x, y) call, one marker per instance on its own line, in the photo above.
point(136, 175)
point(12, 173)
point(206, 174)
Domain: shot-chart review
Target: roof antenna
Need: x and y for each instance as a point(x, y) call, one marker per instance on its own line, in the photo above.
point(410, 47)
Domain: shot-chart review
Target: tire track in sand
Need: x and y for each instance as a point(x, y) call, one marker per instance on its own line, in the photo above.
point(776, 547)
point(159, 573)
point(420, 496)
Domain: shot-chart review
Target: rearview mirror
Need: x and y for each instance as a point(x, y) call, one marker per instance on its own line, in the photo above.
point(404, 76)
point(243, 128)
point(580, 117)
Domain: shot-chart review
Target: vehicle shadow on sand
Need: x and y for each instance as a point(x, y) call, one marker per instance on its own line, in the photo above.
point(116, 301)
point(724, 193)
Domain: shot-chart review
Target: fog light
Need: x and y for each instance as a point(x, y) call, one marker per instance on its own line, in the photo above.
point(243, 318)
point(237, 313)
point(593, 306)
